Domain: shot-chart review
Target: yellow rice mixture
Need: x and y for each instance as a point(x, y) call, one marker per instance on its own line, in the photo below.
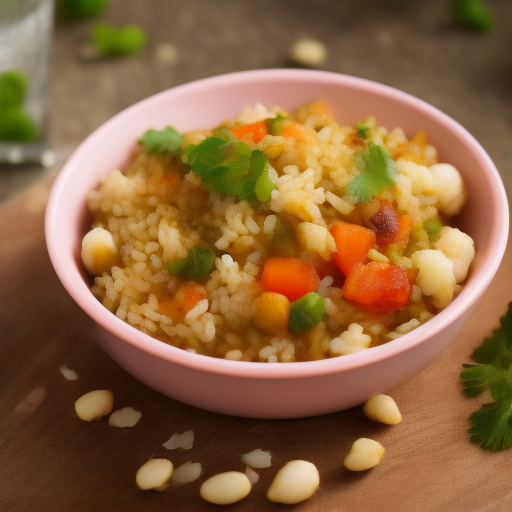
point(148, 221)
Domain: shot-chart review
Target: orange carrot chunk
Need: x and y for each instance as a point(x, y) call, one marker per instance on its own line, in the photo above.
point(404, 231)
point(253, 131)
point(299, 132)
point(163, 186)
point(352, 245)
point(289, 276)
point(189, 295)
point(379, 285)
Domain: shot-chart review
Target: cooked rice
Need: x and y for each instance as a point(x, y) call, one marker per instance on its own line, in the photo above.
point(153, 225)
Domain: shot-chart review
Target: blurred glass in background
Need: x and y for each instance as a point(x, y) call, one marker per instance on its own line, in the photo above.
point(25, 39)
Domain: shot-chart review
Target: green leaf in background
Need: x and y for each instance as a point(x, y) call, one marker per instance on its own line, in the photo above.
point(78, 10)
point(111, 41)
point(16, 126)
point(472, 14)
point(159, 141)
point(377, 171)
point(13, 89)
point(491, 426)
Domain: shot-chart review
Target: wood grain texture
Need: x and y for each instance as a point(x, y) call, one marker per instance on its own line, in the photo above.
point(53, 461)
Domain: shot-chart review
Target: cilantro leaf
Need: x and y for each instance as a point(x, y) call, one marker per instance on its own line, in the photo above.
point(158, 141)
point(491, 426)
point(496, 350)
point(377, 171)
point(230, 168)
point(478, 378)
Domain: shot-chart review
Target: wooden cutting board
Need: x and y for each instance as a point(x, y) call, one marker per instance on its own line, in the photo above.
point(50, 460)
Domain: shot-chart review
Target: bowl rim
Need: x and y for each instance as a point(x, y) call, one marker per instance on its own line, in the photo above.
point(464, 302)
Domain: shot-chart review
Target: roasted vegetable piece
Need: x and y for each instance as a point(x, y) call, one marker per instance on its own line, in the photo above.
point(306, 312)
point(352, 244)
point(289, 276)
point(385, 224)
point(379, 285)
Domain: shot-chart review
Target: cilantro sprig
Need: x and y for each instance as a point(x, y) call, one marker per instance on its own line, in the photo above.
point(159, 141)
point(491, 426)
point(377, 171)
point(231, 168)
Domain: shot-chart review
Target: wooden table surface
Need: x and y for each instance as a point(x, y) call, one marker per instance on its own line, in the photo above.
point(51, 460)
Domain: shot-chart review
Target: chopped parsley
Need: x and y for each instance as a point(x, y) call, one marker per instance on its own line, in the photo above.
point(159, 141)
point(491, 426)
point(377, 171)
point(433, 227)
point(230, 168)
point(195, 267)
point(363, 130)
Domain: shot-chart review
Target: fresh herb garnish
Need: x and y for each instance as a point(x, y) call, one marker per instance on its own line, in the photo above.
point(159, 141)
point(231, 168)
point(491, 426)
point(363, 130)
point(378, 171)
point(433, 227)
point(111, 41)
point(195, 267)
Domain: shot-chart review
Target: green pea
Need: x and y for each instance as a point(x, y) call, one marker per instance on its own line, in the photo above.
point(306, 312)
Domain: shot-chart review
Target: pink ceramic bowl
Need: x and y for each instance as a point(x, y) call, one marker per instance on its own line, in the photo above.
point(276, 390)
